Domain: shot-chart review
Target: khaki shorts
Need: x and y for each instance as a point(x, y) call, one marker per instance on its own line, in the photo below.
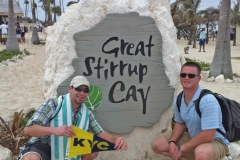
point(219, 148)
point(4, 36)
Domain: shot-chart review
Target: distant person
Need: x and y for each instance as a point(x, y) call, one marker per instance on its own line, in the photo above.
point(4, 28)
point(186, 48)
point(202, 40)
point(44, 31)
point(210, 35)
point(213, 35)
point(23, 34)
point(198, 33)
point(18, 32)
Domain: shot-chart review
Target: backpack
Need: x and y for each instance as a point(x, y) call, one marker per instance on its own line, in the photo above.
point(230, 114)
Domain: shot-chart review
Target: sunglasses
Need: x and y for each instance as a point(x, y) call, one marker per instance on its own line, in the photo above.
point(79, 89)
point(190, 75)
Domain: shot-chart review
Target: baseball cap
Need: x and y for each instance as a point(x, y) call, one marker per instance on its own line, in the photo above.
point(78, 81)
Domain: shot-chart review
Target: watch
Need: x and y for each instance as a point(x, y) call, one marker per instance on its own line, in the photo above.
point(179, 149)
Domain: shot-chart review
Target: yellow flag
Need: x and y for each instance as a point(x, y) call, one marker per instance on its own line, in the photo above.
point(84, 142)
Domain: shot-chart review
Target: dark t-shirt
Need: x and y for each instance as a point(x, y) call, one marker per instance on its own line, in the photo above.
point(18, 30)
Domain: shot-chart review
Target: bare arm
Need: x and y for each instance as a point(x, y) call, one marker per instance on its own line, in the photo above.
point(39, 131)
point(178, 130)
point(204, 136)
point(120, 143)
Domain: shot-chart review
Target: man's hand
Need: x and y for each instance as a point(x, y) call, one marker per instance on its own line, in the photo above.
point(179, 154)
point(120, 144)
point(64, 131)
point(174, 152)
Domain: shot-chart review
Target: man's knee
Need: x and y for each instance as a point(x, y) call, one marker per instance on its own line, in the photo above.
point(31, 156)
point(90, 156)
point(159, 145)
point(204, 151)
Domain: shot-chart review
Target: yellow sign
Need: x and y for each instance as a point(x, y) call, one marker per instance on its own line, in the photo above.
point(84, 142)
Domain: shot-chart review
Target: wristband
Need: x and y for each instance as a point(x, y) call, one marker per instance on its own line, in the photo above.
point(171, 142)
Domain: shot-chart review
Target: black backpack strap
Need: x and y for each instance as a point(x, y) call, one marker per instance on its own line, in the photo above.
point(178, 101)
point(197, 102)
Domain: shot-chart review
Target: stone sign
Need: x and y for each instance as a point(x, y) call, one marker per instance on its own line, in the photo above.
point(122, 56)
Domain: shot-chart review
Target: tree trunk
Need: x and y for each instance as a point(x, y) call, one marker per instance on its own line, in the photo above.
point(190, 38)
point(62, 6)
point(221, 63)
point(234, 38)
point(49, 14)
point(207, 34)
point(12, 44)
point(35, 38)
point(194, 35)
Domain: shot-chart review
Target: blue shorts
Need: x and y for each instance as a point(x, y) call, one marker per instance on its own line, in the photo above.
point(43, 150)
point(201, 42)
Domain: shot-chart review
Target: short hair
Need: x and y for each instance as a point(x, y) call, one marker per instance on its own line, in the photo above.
point(192, 64)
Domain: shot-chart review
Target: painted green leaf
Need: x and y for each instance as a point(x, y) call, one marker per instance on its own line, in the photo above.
point(94, 98)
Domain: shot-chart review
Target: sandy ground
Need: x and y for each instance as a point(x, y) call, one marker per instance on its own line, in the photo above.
point(21, 82)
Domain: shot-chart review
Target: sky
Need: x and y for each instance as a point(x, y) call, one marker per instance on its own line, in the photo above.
point(206, 3)
point(41, 15)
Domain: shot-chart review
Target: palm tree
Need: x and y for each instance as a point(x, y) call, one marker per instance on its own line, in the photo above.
point(26, 2)
point(63, 7)
point(235, 20)
point(56, 11)
point(35, 38)
point(70, 3)
point(210, 17)
point(191, 17)
point(221, 63)
point(60, 4)
point(12, 44)
point(49, 13)
point(46, 6)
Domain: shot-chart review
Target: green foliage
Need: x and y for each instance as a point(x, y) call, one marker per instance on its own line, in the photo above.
point(94, 98)
point(204, 66)
point(4, 54)
point(42, 43)
point(236, 75)
point(237, 58)
point(11, 134)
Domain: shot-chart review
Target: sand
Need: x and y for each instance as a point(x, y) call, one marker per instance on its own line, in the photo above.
point(21, 82)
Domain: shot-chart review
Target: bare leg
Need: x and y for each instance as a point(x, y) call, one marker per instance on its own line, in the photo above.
point(204, 152)
point(23, 39)
point(90, 156)
point(160, 146)
point(31, 156)
point(4, 41)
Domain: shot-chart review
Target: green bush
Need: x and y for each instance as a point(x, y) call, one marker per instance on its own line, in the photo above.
point(4, 55)
point(204, 66)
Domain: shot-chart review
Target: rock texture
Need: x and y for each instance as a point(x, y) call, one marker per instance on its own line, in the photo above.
point(5, 153)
